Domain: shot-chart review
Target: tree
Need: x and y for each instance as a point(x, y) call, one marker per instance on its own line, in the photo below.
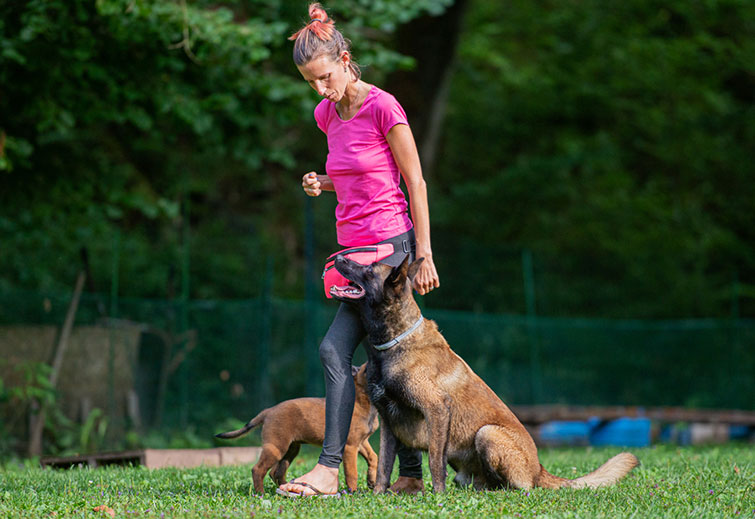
point(147, 119)
point(613, 140)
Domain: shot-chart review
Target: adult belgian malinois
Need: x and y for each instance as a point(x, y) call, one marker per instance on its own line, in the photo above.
point(430, 399)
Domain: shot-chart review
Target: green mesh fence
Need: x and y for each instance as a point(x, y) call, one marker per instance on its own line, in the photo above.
point(705, 363)
point(245, 355)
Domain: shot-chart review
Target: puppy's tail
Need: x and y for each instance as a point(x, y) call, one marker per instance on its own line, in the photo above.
point(254, 422)
point(607, 474)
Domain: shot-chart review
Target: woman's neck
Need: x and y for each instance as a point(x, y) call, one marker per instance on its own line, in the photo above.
point(352, 99)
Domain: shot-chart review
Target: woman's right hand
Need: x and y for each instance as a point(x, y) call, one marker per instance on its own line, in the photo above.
point(311, 184)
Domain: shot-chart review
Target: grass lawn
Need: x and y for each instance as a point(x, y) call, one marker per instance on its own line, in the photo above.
point(671, 482)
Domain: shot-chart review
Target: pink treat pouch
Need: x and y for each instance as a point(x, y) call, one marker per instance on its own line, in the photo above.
point(366, 255)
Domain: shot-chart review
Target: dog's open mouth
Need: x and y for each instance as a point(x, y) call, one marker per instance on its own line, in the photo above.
point(350, 291)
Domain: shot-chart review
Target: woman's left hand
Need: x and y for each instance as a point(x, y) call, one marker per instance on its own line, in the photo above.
point(426, 278)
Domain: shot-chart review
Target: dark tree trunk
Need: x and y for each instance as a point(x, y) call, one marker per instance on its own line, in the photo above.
point(423, 91)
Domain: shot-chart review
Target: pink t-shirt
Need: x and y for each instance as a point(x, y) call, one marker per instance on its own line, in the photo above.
point(371, 206)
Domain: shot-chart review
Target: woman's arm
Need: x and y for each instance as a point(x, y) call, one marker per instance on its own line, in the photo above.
point(401, 141)
point(315, 184)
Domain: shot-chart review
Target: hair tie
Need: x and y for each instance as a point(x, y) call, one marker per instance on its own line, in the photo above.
point(317, 20)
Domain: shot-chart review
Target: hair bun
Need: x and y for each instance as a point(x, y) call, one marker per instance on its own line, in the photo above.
point(317, 13)
point(323, 30)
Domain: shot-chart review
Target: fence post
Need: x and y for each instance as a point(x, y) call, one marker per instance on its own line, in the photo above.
point(115, 268)
point(735, 296)
point(312, 308)
point(183, 376)
point(734, 346)
point(264, 393)
point(114, 282)
point(529, 296)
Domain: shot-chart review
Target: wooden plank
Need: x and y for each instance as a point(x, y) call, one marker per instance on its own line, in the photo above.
point(160, 458)
point(135, 457)
point(187, 458)
point(538, 414)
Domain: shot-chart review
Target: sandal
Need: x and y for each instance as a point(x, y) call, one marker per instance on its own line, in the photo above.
point(317, 492)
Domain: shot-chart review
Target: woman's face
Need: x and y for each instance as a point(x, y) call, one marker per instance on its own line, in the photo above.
point(329, 78)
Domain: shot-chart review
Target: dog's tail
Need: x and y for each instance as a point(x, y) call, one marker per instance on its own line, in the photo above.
point(254, 422)
point(607, 474)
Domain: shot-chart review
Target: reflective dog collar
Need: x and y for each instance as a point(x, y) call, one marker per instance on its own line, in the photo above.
point(392, 343)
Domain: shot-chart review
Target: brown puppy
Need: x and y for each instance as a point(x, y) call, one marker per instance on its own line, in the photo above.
point(430, 399)
point(302, 420)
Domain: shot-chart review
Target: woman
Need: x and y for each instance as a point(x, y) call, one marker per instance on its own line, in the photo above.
point(370, 148)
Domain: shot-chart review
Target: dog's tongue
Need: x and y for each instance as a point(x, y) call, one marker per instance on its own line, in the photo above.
point(348, 292)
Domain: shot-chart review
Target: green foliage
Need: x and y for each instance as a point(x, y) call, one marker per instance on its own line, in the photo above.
point(93, 430)
point(64, 436)
point(117, 113)
point(612, 139)
point(31, 395)
point(615, 140)
point(35, 386)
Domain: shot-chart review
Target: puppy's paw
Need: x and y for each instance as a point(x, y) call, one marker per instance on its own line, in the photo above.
point(407, 485)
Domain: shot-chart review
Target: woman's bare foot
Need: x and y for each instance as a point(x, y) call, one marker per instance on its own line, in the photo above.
point(323, 478)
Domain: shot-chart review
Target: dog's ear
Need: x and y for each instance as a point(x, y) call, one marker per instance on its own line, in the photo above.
point(354, 370)
point(414, 268)
point(397, 277)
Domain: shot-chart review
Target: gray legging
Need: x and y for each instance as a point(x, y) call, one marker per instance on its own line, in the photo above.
point(336, 351)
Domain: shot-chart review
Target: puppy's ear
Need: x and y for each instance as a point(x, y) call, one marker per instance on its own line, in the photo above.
point(414, 268)
point(397, 277)
point(354, 371)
